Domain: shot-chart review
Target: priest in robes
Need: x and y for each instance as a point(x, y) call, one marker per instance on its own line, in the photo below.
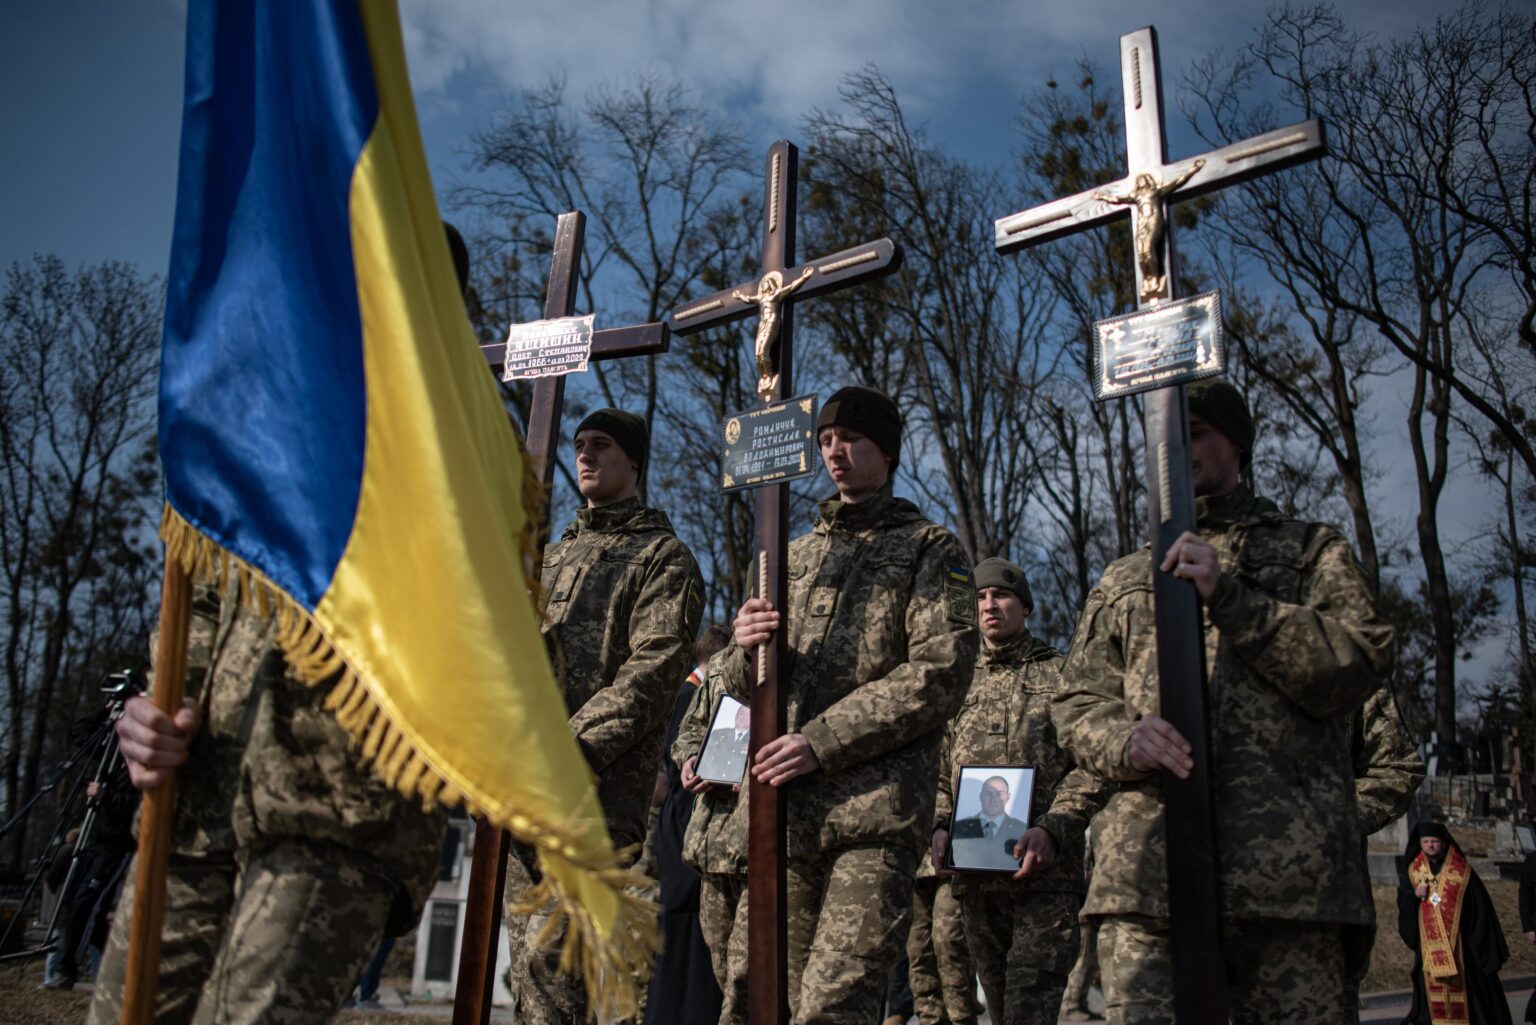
point(1445, 915)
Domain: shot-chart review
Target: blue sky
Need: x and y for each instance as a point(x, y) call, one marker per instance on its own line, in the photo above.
point(92, 95)
point(92, 88)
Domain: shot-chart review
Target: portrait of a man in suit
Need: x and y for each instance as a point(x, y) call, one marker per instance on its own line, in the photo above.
point(986, 839)
point(724, 759)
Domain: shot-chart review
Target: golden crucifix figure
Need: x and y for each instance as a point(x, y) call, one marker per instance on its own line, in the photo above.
point(771, 293)
point(1147, 197)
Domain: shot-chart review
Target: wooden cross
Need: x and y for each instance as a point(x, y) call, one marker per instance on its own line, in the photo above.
point(488, 870)
point(771, 297)
point(1145, 193)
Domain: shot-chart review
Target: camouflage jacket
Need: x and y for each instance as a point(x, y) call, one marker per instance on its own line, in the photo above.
point(1388, 769)
point(271, 763)
point(1006, 720)
point(1293, 646)
point(623, 598)
point(716, 840)
point(882, 636)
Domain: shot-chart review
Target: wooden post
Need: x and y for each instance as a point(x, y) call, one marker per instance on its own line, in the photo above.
point(488, 868)
point(771, 297)
point(1145, 194)
point(143, 967)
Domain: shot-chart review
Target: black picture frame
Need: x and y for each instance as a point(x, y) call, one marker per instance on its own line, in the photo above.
point(968, 849)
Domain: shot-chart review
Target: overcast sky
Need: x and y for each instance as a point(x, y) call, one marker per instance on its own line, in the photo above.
point(92, 93)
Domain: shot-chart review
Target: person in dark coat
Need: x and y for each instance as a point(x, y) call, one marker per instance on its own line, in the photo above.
point(1445, 916)
point(683, 990)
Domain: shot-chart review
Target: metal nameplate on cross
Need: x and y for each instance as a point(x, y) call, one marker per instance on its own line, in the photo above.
point(773, 444)
point(1144, 194)
point(488, 869)
point(772, 296)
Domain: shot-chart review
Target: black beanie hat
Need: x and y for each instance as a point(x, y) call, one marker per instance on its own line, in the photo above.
point(996, 572)
point(1219, 404)
point(628, 429)
point(870, 412)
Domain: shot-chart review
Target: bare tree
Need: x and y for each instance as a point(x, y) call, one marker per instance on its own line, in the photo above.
point(955, 338)
point(1374, 234)
point(78, 353)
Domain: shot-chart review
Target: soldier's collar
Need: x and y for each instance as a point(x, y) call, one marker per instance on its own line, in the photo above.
point(607, 517)
point(1240, 505)
point(1024, 648)
point(837, 513)
point(1009, 651)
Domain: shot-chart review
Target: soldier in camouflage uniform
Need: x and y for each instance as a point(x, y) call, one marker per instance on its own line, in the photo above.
point(1388, 771)
point(289, 860)
point(623, 597)
point(715, 846)
point(1022, 929)
point(1294, 645)
point(881, 623)
point(939, 966)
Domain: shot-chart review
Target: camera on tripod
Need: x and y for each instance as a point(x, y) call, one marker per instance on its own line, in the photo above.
point(121, 686)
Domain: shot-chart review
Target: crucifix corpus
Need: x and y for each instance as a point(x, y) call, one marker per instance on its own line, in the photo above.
point(545, 351)
point(1158, 350)
point(784, 427)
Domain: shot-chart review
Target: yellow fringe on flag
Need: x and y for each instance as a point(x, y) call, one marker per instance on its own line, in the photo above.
point(610, 965)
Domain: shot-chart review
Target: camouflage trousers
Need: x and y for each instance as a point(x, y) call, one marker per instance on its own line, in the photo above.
point(277, 939)
point(542, 993)
point(1086, 967)
point(939, 968)
point(849, 911)
point(1024, 945)
point(1278, 972)
point(723, 921)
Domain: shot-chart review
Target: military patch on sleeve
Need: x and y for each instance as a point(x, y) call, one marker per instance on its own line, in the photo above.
point(960, 596)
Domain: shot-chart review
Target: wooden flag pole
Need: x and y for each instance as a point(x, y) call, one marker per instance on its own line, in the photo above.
point(143, 968)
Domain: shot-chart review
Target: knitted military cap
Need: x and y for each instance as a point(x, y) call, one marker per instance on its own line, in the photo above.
point(1219, 404)
point(628, 429)
point(870, 412)
point(1002, 573)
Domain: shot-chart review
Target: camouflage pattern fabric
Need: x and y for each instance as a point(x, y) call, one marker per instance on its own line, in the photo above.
point(939, 967)
point(1293, 645)
point(1024, 946)
point(1006, 720)
point(881, 624)
point(1388, 769)
point(849, 911)
point(272, 786)
point(882, 635)
point(1085, 968)
point(293, 927)
point(1278, 972)
point(623, 597)
point(716, 838)
point(198, 895)
point(723, 921)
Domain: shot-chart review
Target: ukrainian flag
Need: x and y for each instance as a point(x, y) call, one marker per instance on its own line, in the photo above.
point(331, 435)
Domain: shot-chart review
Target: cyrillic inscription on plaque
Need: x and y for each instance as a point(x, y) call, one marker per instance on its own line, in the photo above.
point(1172, 343)
point(548, 348)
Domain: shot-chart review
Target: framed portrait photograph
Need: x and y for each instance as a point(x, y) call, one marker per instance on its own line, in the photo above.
point(723, 755)
point(992, 808)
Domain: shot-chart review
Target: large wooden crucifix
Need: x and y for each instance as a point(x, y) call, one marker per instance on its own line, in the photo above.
point(771, 296)
point(1150, 185)
point(488, 870)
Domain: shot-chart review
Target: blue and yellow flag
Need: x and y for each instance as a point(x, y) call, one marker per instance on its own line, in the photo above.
point(331, 436)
